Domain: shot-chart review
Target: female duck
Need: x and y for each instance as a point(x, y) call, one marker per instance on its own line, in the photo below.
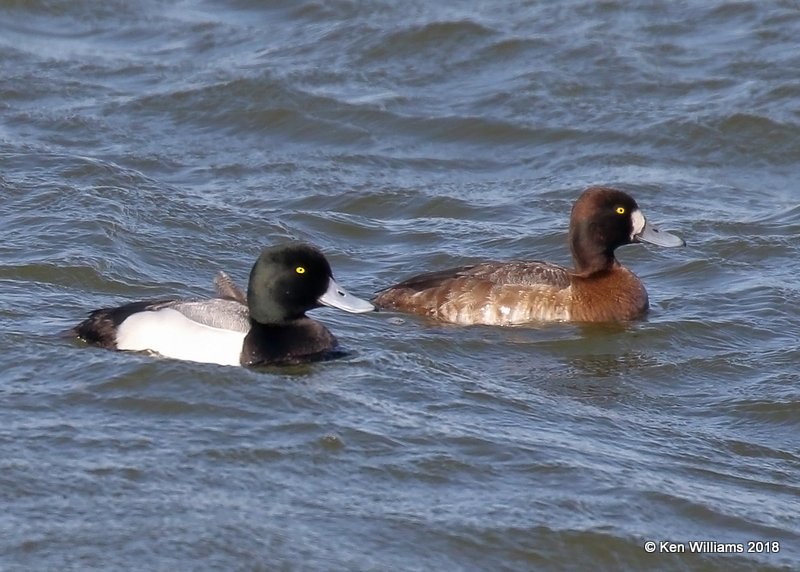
point(598, 289)
point(270, 328)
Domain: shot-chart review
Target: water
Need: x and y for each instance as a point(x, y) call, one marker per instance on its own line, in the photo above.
point(144, 146)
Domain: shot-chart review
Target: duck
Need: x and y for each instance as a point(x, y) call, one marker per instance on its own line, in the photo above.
point(597, 289)
point(266, 326)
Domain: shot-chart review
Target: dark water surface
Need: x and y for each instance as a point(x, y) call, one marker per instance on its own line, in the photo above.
point(145, 145)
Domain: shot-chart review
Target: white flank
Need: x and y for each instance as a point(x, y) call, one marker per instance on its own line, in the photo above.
point(171, 334)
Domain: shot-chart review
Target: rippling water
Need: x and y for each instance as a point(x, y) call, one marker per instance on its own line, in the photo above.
point(144, 146)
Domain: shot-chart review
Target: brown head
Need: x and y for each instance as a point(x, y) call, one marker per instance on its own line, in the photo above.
point(604, 219)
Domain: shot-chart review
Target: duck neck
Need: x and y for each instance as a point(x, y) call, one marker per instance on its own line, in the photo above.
point(269, 309)
point(588, 254)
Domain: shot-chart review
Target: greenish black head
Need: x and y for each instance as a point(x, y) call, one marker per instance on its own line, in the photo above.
point(288, 280)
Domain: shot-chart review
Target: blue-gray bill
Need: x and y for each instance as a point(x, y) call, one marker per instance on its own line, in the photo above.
point(337, 297)
point(653, 235)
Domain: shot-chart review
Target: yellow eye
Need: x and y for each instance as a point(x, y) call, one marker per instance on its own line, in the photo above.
point(300, 270)
point(620, 210)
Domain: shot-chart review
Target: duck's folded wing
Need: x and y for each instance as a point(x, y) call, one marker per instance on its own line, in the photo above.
point(227, 289)
point(487, 293)
point(514, 273)
point(216, 313)
point(531, 273)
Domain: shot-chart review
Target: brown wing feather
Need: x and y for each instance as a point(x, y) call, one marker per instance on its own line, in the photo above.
point(430, 279)
point(487, 293)
point(227, 289)
point(523, 273)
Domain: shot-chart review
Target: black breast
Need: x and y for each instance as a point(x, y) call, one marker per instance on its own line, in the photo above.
point(301, 341)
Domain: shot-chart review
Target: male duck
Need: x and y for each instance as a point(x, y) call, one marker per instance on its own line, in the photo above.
point(269, 327)
point(599, 289)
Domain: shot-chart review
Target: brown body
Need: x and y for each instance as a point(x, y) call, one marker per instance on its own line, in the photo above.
point(599, 289)
point(492, 293)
